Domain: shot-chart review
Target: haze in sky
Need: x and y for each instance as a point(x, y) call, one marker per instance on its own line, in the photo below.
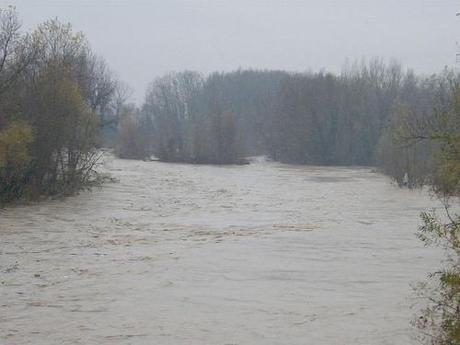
point(143, 39)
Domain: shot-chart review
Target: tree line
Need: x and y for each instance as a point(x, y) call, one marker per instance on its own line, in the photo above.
point(60, 103)
point(304, 118)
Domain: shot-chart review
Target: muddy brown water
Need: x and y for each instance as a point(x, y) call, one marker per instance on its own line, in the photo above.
point(180, 254)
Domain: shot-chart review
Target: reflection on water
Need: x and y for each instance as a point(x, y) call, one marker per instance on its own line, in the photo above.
point(179, 254)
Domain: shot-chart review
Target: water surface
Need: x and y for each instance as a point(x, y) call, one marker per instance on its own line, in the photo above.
point(181, 254)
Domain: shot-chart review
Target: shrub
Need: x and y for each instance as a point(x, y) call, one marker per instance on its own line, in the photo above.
point(14, 160)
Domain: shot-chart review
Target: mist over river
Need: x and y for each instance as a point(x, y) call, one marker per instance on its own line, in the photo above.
point(182, 254)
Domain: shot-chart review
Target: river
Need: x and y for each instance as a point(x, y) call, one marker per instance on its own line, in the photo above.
point(181, 254)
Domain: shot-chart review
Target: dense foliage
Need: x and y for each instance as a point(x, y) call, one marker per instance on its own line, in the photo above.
point(55, 95)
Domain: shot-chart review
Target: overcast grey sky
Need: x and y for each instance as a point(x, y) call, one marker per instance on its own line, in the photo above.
point(142, 39)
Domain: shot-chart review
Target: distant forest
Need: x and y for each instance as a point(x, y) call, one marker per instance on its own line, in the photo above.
point(358, 117)
point(60, 104)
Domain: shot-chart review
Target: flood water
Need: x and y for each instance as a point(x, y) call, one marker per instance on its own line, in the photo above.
point(180, 254)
